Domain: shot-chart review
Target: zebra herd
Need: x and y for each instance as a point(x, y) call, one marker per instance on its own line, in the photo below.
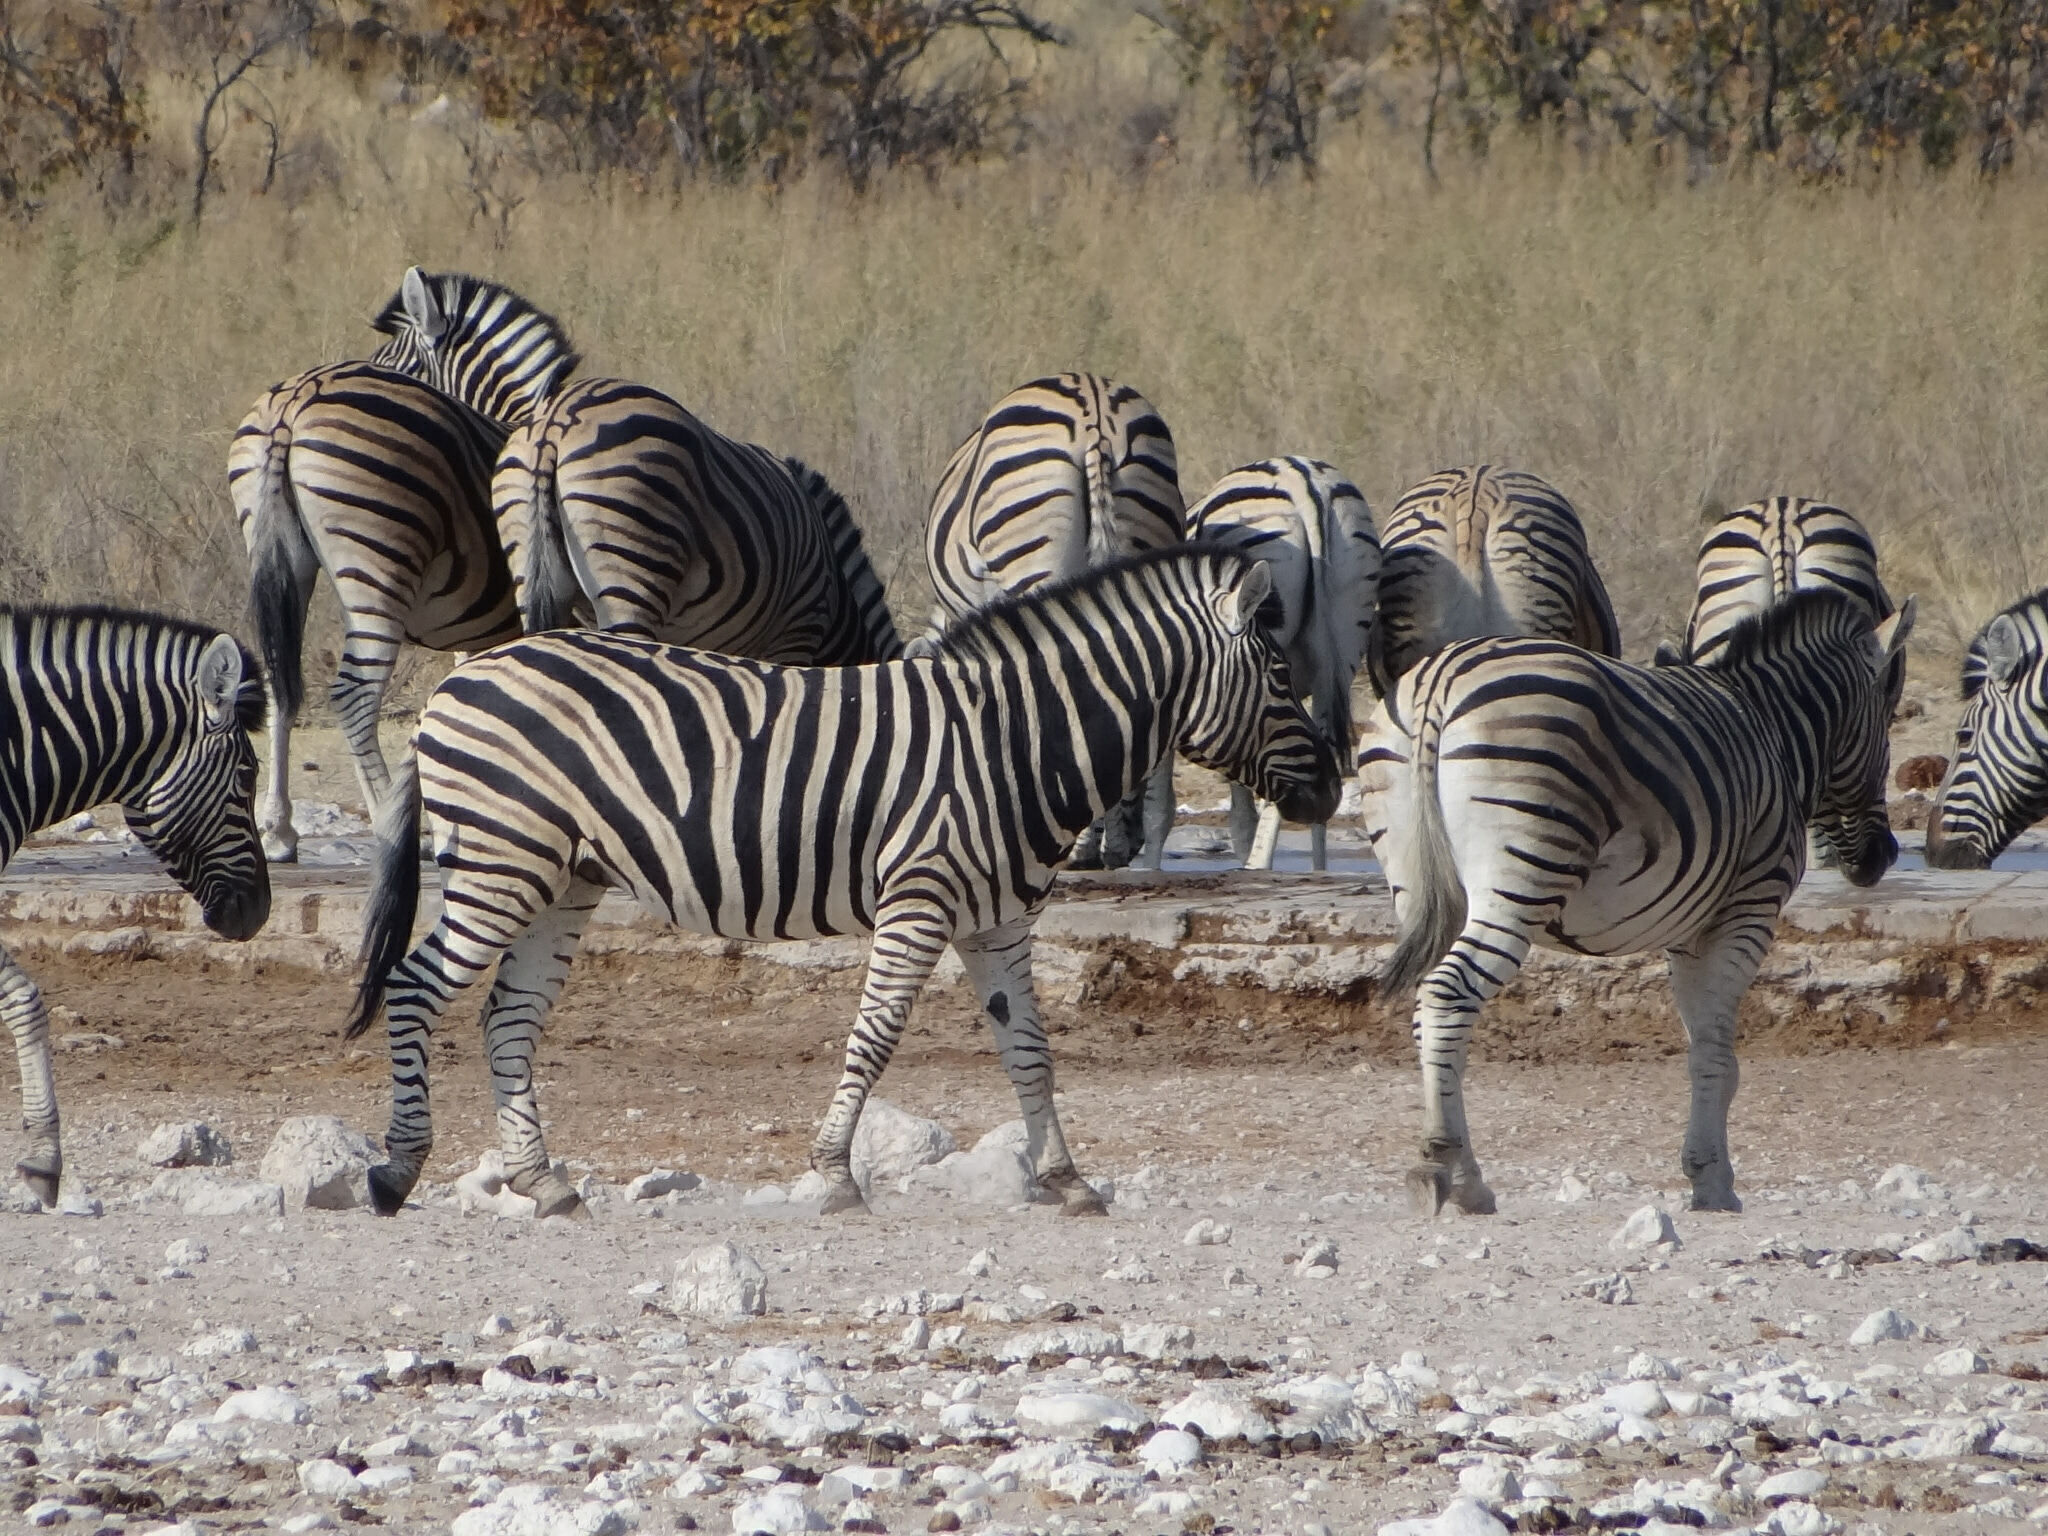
point(690, 687)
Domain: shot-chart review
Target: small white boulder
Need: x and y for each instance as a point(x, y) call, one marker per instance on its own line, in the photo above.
point(321, 1164)
point(1957, 1362)
point(185, 1144)
point(1077, 1415)
point(890, 1143)
point(263, 1405)
point(718, 1280)
point(781, 1511)
point(1648, 1227)
point(1885, 1325)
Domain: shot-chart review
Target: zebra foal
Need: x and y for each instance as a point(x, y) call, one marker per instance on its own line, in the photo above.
point(151, 713)
point(925, 801)
point(1313, 529)
point(1997, 780)
point(1064, 473)
point(1557, 797)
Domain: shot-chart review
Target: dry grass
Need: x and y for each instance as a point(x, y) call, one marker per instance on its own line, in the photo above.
point(1660, 352)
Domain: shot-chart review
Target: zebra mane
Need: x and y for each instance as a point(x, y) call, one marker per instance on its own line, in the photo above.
point(252, 700)
point(990, 620)
point(462, 296)
point(1772, 629)
point(2028, 613)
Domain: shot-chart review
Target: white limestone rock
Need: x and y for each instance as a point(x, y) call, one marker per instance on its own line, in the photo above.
point(890, 1143)
point(1799, 1518)
point(1572, 1189)
point(263, 1405)
point(657, 1182)
point(1076, 1415)
point(997, 1171)
point(538, 1509)
point(1957, 1362)
point(781, 1511)
point(483, 1190)
point(185, 1253)
point(1884, 1325)
point(1170, 1451)
point(1066, 1340)
point(719, 1280)
point(325, 1479)
point(1955, 1246)
point(1648, 1227)
point(222, 1341)
point(1465, 1517)
point(1798, 1483)
point(321, 1164)
point(185, 1144)
point(1219, 1415)
point(20, 1387)
point(1208, 1233)
point(1491, 1482)
point(1159, 1341)
point(202, 1192)
point(1903, 1183)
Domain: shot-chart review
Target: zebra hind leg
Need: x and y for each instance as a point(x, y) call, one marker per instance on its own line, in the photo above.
point(1708, 986)
point(530, 978)
point(998, 963)
point(368, 656)
point(21, 1005)
point(908, 942)
point(1156, 816)
point(1244, 821)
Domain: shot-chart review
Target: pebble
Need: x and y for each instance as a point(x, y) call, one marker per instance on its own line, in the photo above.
point(1798, 1483)
point(1207, 1233)
point(719, 1281)
point(1648, 1227)
point(222, 1341)
point(185, 1144)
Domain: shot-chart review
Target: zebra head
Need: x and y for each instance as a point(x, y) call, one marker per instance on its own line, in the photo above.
point(1244, 719)
point(1849, 819)
point(194, 811)
point(475, 340)
point(1997, 780)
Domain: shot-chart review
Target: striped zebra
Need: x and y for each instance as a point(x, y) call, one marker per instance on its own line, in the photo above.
point(1064, 473)
point(1314, 530)
point(1997, 780)
point(383, 482)
point(1485, 551)
point(618, 508)
point(1759, 553)
point(926, 801)
point(153, 714)
point(1558, 797)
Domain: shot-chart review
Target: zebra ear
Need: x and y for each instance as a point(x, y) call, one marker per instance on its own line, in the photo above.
point(421, 305)
point(1891, 634)
point(220, 681)
point(2005, 650)
point(1240, 605)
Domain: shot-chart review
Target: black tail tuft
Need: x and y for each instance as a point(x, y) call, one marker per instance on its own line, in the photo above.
point(394, 895)
point(551, 587)
point(278, 601)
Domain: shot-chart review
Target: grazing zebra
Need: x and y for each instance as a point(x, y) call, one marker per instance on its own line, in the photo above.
point(926, 801)
point(148, 712)
point(1757, 554)
point(1314, 530)
point(1997, 780)
point(617, 507)
point(1064, 473)
point(1558, 797)
point(1485, 551)
point(383, 482)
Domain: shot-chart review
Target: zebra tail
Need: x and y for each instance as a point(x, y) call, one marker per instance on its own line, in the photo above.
point(551, 588)
point(394, 894)
point(281, 551)
point(1098, 471)
point(1436, 896)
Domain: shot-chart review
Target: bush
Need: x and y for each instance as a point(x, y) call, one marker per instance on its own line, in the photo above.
point(69, 95)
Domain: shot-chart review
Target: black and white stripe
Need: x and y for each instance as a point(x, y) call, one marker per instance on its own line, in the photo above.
point(1064, 473)
point(476, 340)
point(1760, 553)
point(383, 482)
point(1552, 796)
point(153, 714)
point(1997, 780)
point(927, 801)
point(1313, 529)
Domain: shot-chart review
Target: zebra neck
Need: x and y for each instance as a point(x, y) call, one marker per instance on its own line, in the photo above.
point(81, 746)
point(1801, 713)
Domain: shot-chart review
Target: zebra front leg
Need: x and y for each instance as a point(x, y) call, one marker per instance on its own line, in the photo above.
point(908, 942)
point(29, 1022)
point(1266, 840)
point(1483, 959)
point(1157, 816)
point(1708, 987)
point(998, 963)
point(530, 978)
point(1244, 822)
point(274, 816)
point(1319, 846)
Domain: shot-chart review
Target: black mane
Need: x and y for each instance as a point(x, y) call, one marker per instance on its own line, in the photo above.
point(252, 700)
point(1768, 629)
point(993, 617)
point(459, 293)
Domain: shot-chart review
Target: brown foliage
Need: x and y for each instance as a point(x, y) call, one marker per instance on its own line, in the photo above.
point(69, 95)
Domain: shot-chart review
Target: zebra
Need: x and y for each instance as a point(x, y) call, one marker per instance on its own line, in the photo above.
point(1314, 529)
point(925, 801)
point(1758, 553)
point(155, 714)
point(1064, 472)
point(1555, 796)
point(1996, 785)
point(616, 507)
point(383, 482)
point(1483, 550)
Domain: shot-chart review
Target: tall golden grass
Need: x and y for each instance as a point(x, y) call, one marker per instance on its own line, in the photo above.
point(1662, 352)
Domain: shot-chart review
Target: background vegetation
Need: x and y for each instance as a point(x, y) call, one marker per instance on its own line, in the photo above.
point(1671, 257)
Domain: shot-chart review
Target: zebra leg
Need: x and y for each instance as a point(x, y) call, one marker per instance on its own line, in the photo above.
point(1319, 846)
point(998, 963)
point(1483, 959)
point(368, 655)
point(1087, 852)
point(1158, 816)
point(274, 815)
point(1244, 820)
point(1708, 986)
point(908, 942)
point(21, 1005)
point(1266, 840)
point(530, 978)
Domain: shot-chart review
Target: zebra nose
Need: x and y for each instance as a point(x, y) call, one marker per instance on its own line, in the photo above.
point(241, 912)
point(1946, 852)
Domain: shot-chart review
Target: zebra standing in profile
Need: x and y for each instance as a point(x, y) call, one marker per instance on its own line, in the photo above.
point(151, 713)
point(1064, 473)
point(1558, 797)
point(926, 801)
point(1313, 529)
point(383, 482)
point(617, 507)
point(1997, 780)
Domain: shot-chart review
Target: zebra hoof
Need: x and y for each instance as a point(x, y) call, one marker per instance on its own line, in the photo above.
point(388, 1189)
point(844, 1200)
point(279, 850)
point(1429, 1185)
point(41, 1182)
point(1715, 1200)
point(1474, 1199)
point(561, 1202)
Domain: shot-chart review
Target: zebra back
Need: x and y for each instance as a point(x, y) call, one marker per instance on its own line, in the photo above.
point(1482, 550)
point(1064, 472)
point(476, 340)
point(1760, 553)
point(1996, 785)
point(865, 628)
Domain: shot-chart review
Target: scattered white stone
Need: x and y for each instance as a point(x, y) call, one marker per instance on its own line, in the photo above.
point(1643, 1366)
point(1641, 1399)
point(1319, 1262)
point(1885, 1325)
point(1169, 1451)
point(1218, 1415)
point(325, 1479)
point(778, 1512)
point(1954, 1246)
point(1614, 1290)
point(1798, 1483)
point(184, 1253)
point(997, 1171)
point(263, 1405)
point(1159, 1341)
point(537, 1509)
point(318, 1520)
point(222, 1341)
point(1077, 1415)
point(661, 1181)
point(1957, 1362)
point(1491, 1482)
point(890, 1143)
point(1903, 1182)
point(202, 1192)
point(185, 1144)
point(1465, 1517)
point(1798, 1518)
point(1131, 1272)
point(483, 1189)
point(1169, 1503)
point(320, 1163)
point(1572, 1189)
point(89, 1365)
point(978, 1267)
point(1648, 1227)
point(1207, 1233)
point(1066, 1341)
point(719, 1281)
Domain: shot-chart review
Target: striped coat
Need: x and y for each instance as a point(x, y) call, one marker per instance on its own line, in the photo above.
point(1997, 780)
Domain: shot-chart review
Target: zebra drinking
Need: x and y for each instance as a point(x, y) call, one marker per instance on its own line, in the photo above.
point(1557, 797)
point(1997, 780)
point(151, 713)
point(926, 801)
point(1064, 473)
point(1314, 530)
